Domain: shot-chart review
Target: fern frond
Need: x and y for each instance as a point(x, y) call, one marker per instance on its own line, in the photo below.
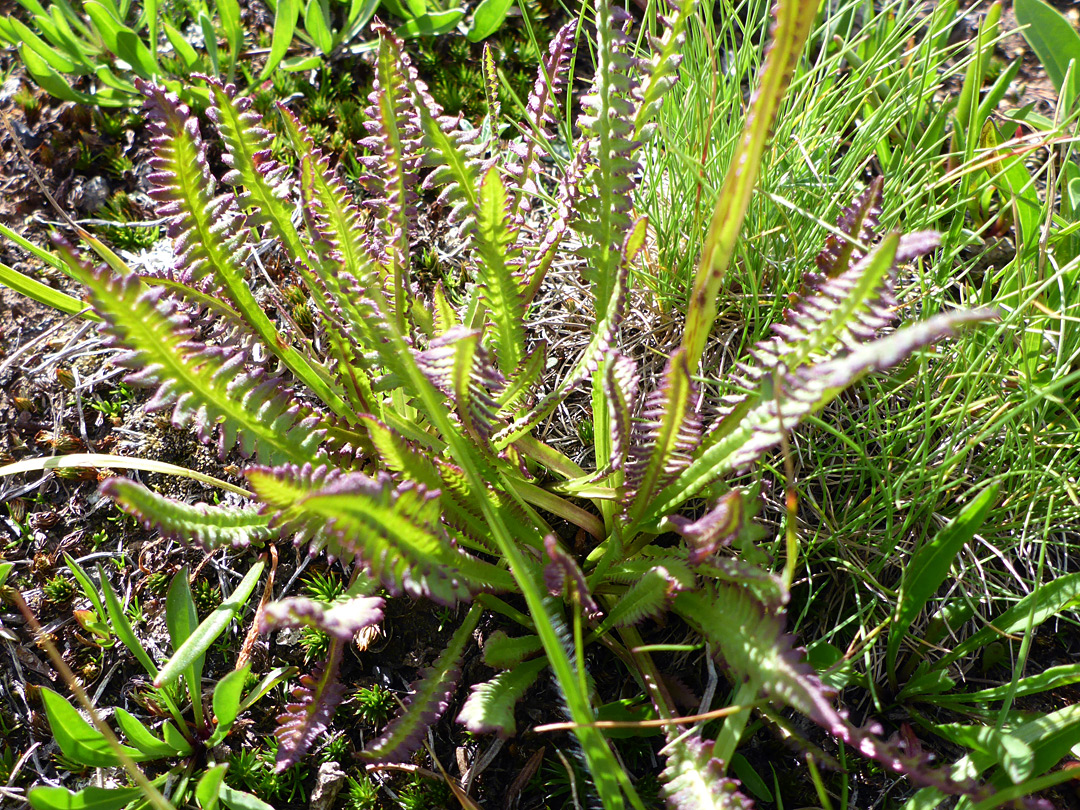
point(394, 141)
point(306, 719)
point(717, 528)
point(212, 527)
point(564, 577)
point(551, 79)
point(500, 283)
point(599, 346)
point(431, 695)
point(213, 385)
point(665, 438)
point(394, 530)
point(795, 395)
point(210, 234)
point(503, 652)
point(753, 646)
point(342, 620)
point(620, 390)
point(857, 222)
point(695, 780)
point(607, 118)
point(489, 708)
point(648, 597)
point(566, 200)
point(660, 68)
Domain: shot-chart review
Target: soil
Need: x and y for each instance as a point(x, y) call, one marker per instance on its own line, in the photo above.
point(58, 387)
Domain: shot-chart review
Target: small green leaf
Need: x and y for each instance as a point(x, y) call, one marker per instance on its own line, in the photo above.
point(196, 645)
point(288, 12)
point(239, 800)
point(141, 737)
point(229, 12)
point(78, 740)
point(227, 696)
point(317, 26)
point(182, 618)
point(87, 584)
point(488, 18)
point(174, 738)
point(268, 682)
point(930, 566)
point(430, 25)
point(91, 798)
point(118, 620)
point(208, 791)
point(1055, 42)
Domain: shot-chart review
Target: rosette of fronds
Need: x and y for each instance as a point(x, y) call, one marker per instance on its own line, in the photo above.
point(400, 434)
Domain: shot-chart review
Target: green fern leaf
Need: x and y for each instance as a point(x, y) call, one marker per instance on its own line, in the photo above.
point(500, 287)
point(490, 705)
point(211, 385)
point(212, 527)
point(393, 529)
point(430, 698)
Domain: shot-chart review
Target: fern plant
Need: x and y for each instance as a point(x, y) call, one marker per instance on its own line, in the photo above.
point(401, 432)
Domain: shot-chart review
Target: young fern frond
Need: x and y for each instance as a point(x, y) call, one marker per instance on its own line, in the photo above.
point(551, 80)
point(305, 720)
point(212, 527)
point(662, 64)
point(665, 439)
point(500, 283)
point(394, 530)
point(214, 386)
point(489, 708)
point(610, 107)
point(695, 780)
point(431, 696)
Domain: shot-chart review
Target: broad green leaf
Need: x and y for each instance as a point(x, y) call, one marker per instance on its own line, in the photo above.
point(229, 12)
point(142, 738)
point(317, 25)
point(206, 25)
point(1050, 599)
point(239, 800)
point(488, 18)
point(430, 25)
point(182, 619)
point(90, 798)
point(118, 620)
point(930, 567)
point(78, 740)
point(214, 625)
point(182, 47)
point(1055, 42)
point(1052, 678)
point(227, 695)
point(121, 40)
point(1013, 754)
point(49, 79)
point(208, 791)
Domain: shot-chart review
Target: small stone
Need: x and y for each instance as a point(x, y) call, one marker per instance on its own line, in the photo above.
point(91, 195)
